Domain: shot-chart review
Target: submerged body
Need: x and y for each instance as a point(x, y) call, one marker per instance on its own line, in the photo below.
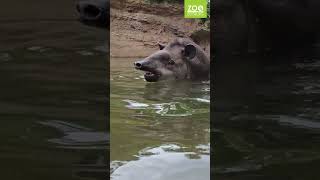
point(180, 59)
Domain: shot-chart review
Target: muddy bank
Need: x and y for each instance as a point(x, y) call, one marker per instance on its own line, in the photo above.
point(137, 26)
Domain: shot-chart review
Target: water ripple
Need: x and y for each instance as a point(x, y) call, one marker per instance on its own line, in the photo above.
point(294, 121)
point(168, 109)
point(5, 57)
point(77, 137)
point(167, 161)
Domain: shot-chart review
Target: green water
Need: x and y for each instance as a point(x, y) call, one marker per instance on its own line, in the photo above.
point(53, 95)
point(158, 130)
point(266, 119)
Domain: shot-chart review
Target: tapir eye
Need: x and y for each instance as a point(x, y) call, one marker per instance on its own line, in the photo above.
point(171, 62)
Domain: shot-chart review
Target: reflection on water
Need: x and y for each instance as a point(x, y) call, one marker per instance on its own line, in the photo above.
point(52, 101)
point(266, 122)
point(77, 137)
point(166, 162)
point(158, 130)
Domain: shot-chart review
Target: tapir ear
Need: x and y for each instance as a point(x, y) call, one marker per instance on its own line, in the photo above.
point(190, 51)
point(161, 46)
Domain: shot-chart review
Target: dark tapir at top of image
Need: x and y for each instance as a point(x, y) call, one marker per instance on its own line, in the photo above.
point(94, 12)
point(264, 25)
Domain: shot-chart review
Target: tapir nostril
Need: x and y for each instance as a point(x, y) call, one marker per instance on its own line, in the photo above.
point(91, 11)
point(138, 65)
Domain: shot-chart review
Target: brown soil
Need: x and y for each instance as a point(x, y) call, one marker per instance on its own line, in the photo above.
point(137, 26)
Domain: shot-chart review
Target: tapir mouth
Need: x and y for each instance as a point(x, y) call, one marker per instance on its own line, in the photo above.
point(151, 76)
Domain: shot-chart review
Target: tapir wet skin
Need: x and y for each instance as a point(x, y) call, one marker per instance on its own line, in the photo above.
point(180, 59)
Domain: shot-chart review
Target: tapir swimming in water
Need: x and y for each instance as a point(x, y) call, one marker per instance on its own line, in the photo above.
point(180, 59)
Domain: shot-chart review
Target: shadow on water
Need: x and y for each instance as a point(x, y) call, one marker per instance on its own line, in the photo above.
point(53, 93)
point(158, 130)
point(266, 118)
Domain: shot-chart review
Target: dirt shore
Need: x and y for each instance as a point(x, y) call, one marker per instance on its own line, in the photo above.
point(137, 26)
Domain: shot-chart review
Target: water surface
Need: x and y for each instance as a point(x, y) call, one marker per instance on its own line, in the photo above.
point(267, 120)
point(159, 131)
point(53, 94)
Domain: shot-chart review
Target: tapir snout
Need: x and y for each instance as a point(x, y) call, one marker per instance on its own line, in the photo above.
point(139, 64)
point(145, 65)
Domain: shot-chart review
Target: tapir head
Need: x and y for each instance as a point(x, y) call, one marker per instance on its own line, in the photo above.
point(169, 62)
